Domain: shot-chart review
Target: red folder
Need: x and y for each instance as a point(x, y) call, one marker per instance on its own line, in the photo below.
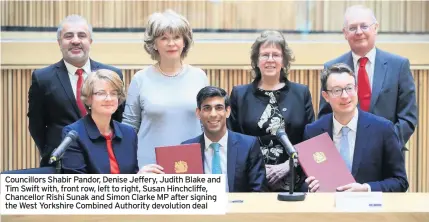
point(320, 158)
point(180, 159)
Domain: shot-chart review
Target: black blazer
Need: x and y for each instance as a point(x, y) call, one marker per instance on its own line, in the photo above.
point(52, 105)
point(294, 102)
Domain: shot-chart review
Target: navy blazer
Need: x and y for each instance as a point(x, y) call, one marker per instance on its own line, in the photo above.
point(393, 92)
point(89, 153)
point(377, 158)
point(52, 105)
point(294, 103)
point(245, 164)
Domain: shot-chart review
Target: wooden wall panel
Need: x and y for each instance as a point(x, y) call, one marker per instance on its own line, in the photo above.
point(18, 150)
point(393, 16)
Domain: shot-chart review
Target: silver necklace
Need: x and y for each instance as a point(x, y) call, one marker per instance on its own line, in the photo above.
point(162, 72)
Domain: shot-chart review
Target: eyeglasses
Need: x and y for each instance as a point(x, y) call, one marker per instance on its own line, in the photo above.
point(363, 27)
point(338, 91)
point(103, 94)
point(275, 57)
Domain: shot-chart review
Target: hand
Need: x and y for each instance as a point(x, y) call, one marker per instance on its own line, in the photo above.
point(313, 184)
point(152, 168)
point(276, 172)
point(353, 187)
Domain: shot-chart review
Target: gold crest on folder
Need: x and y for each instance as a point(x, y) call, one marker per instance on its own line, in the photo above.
point(180, 167)
point(319, 157)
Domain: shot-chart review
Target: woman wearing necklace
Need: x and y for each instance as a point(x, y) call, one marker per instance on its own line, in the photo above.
point(269, 103)
point(161, 104)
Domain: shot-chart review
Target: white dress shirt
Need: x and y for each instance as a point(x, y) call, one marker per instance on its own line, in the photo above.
point(369, 65)
point(208, 156)
point(351, 136)
point(72, 73)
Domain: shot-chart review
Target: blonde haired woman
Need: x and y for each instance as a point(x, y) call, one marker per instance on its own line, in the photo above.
point(161, 102)
point(104, 146)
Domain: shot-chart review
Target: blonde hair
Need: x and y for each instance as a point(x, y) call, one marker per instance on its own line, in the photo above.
point(171, 22)
point(106, 75)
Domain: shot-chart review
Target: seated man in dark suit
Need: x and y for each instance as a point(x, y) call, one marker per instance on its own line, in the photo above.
point(368, 143)
point(225, 152)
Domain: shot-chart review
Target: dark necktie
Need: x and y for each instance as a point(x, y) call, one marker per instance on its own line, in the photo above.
point(80, 105)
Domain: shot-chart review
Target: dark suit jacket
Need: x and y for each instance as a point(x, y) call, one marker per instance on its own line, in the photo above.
point(247, 107)
point(245, 164)
point(377, 158)
point(89, 153)
point(52, 105)
point(393, 92)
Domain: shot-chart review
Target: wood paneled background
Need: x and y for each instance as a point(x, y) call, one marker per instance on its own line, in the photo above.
point(226, 63)
point(19, 151)
point(393, 16)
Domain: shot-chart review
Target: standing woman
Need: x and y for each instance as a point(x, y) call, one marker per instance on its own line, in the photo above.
point(161, 102)
point(272, 102)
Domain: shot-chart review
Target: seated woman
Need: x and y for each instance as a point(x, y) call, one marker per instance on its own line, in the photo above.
point(104, 146)
point(272, 102)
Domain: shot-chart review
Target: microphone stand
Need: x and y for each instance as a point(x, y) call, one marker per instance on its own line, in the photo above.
point(58, 167)
point(291, 196)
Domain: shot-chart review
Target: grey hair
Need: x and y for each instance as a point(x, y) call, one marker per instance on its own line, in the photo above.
point(358, 7)
point(171, 22)
point(275, 38)
point(73, 19)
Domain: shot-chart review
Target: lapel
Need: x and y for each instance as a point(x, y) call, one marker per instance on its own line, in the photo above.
point(349, 61)
point(327, 125)
point(94, 65)
point(380, 71)
point(64, 79)
point(231, 159)
point(363, 136)
point(203, 147)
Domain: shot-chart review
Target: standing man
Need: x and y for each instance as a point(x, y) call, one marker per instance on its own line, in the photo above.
point(223, 151)
point(367, 143)
point(385, 85)
point(54, 95)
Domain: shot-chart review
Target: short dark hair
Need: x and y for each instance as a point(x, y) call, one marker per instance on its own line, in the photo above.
point(335, 69)
point(210, 92)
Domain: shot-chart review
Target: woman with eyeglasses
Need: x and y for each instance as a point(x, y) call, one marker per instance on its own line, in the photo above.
point(104, 146)
point(161, 103)
point(272, 102)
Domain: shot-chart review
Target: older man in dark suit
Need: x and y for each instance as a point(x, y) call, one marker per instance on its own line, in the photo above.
point(54, 96)
point(385, 85)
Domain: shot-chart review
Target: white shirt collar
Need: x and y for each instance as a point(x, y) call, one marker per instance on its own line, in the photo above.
point(223, 141)
point(71, 69)
point(370, 55)
point(352, 124)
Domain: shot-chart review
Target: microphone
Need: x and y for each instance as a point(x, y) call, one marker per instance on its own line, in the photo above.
point(59, 151)
point(284, 140)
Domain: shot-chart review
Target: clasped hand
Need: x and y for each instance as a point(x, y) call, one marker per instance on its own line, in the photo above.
point(276, 172)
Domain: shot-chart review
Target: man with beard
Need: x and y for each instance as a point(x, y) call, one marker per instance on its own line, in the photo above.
point(54, 95)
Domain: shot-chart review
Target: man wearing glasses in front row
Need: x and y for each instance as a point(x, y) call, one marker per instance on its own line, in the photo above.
point(367, 143)
point(385, 85)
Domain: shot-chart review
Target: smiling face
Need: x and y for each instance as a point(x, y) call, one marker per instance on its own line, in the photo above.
point(213, 114)
point(270, 60)
point(346, 102)
point(170, 46)
point(75, 42)
point(104, 100)
point(360, 30)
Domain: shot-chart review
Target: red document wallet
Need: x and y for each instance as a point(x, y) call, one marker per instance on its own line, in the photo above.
point(180, 159)
point(320, 158)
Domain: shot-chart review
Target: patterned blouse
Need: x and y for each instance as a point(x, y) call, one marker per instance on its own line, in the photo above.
point(271, 120)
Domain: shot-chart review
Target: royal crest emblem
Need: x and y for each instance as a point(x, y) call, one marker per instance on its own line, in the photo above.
point(319, 157)
point(180, 167)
